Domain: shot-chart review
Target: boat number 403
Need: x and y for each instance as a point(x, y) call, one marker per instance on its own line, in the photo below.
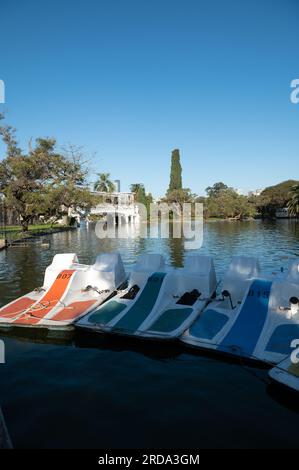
point(265, 294)
point(295, 353)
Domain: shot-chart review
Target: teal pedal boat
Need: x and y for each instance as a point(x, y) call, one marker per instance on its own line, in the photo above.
point(159, 302)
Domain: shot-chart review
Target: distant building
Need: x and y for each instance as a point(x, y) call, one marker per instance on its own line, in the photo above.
point(282, 213)
point(123, 202)
point(255, 192)
point(116, 198)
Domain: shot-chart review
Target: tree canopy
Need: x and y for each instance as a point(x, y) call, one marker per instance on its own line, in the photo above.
point(179, 196)
point(215, 190)
point(43, 181)
point(275, 197)
point(134, 187)
point(293, 204)
point(104, 183)
point(141, 197)
point(228, 204)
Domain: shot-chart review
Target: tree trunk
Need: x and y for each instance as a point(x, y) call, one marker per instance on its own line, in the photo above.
point(236, 217)
point(24, 224)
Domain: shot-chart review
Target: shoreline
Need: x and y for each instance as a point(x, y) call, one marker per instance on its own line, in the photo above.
point(27, 236)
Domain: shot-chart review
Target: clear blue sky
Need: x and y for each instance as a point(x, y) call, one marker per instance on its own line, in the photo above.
point(133, 79)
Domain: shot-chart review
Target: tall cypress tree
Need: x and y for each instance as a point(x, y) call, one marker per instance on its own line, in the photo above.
point(175, 172)
point(140, 195)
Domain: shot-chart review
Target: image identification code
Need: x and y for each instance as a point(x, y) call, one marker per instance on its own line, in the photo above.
point(150, 459)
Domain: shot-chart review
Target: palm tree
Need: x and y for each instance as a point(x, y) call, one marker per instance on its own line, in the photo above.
point(135, 187)
point(293, 204)
point(103, 183)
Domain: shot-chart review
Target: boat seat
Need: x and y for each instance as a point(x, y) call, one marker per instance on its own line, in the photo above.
point(198, 273)
point(293, 272)
point(240, 274)
point(64, 260)
point(199, 264)
point(60, 262)
point(107, 272)
point(189, 298)
point(150, 262)
point(132, 292)
point(281, 293)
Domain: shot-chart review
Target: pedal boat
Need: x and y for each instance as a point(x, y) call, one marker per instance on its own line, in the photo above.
point(70, 290)
point(184, 295)
point(255, 319)
point(158, 303)
point(143, 287)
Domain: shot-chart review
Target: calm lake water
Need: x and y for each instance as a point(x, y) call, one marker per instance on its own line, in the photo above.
point(110, 392)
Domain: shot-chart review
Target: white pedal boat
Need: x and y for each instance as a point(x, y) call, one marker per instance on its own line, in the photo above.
point(70, 290)
point(286, 374)
point(158, 303)
point(256, 318)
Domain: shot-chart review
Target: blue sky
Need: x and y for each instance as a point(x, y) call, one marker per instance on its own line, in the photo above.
point(133, 79)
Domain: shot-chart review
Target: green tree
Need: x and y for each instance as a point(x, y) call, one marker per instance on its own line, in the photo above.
point(293, 204)
point(141, 195)
point(275, 197)
point(41, 182)
point(215, 190)
point(180, 196)
point(134, 187)
point(226, 203)
point(175, 172)
point(104, 184)
point(149, 198)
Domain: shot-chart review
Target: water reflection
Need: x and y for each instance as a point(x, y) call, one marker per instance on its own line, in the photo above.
point(150, 349)
point(284, 396)
point(176, 249)
point(273, 242)
point(140, 394)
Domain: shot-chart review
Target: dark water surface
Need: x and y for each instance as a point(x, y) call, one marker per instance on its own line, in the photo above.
point(109, 392)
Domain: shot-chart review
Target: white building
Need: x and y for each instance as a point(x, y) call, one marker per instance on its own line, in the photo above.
point(119, 205)
point(116, 197)
point(255, 192)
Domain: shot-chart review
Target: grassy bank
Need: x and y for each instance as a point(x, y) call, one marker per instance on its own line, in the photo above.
point(31, 228)
point(14, 234)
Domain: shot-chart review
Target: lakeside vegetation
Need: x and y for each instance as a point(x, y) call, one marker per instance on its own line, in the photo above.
point(224, 202)
point(31, 228)
point(13, 234)
point(42, 185)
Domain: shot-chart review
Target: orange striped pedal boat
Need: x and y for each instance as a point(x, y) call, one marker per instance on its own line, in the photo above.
point(70, 290)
